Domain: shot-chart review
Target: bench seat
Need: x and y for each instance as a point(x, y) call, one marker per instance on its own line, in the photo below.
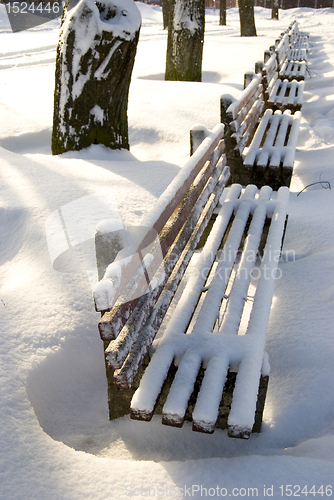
point(297, 54)
point(219, 324)
point(260, 150)
point(293, 70)
point(280, 93)
point(290, 65)
point(274, 143)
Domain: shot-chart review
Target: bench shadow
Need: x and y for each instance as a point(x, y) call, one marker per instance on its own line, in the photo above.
point(68, 392)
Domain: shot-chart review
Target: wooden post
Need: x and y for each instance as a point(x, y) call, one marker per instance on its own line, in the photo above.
point(259, 67)
point(234, 162)
point(248, 77)
point(197, 135)
point(267, 55)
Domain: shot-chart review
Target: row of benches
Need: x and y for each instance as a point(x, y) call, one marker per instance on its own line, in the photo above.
point(263, 151)
point(209, 365)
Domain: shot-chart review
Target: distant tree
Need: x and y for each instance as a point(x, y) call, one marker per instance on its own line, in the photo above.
point(222, 13)
point(185, 40)
point(247, 18)
point(94, 64)
point(274, 9)
point(165, 13)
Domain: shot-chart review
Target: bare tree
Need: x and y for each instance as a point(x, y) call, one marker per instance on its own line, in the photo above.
point(222, 13)
point(165, 13)
point(274, 9)
point(247, 18)
point(185, 40)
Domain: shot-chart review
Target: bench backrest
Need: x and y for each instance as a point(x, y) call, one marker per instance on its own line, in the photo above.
point(269, 72)
point(282, 49)
point(137, 289)
point(293, 33)
point(241, 115)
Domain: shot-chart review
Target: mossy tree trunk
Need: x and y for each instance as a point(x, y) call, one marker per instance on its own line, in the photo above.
point(185, 40)
point(247, 18)
point(94, 64)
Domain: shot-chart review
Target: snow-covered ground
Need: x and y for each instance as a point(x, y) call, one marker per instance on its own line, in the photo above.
point(56, 440)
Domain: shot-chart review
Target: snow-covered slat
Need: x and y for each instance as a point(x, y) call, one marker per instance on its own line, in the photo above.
point(292, 141)
point(244, 98)
point(216, 352)
point(281, 133)
point(297, 55)
point(293, 70)
point(241, 416)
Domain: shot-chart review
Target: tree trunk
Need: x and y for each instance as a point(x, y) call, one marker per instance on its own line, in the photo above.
point(274, 9)
point(247, 19)
point(165, 13)
point(94, 64)
point(222, 13)
point(185, 40)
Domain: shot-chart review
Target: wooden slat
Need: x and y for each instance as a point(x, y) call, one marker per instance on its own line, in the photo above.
point(125, 376)
point(245, 96)
point(113, 321)
point(200, 157)
point(249, 124)
point(257, 96)
point(118, 349)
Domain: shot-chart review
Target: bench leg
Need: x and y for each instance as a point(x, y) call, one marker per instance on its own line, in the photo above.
point(261, 398)
point(119, 400)
point(225, 405)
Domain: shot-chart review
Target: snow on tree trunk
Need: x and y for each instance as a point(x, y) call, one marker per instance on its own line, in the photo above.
point(95, 57)
point(185, 40)
point(247, 19)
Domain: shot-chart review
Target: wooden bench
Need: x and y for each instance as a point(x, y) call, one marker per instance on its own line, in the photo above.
point(299, 47)
point(279, 93)
point(289, 67)
point(138, 286)
point(297, 39)
point(224, 316)
point(259, 151)
point(186, 376)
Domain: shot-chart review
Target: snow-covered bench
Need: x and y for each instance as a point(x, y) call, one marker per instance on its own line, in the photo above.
point(260, 149)
point(139, 285)
point(224, 312)
point(279, 93)
point(297, 39)
point(192, 376)
point(290, 66)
